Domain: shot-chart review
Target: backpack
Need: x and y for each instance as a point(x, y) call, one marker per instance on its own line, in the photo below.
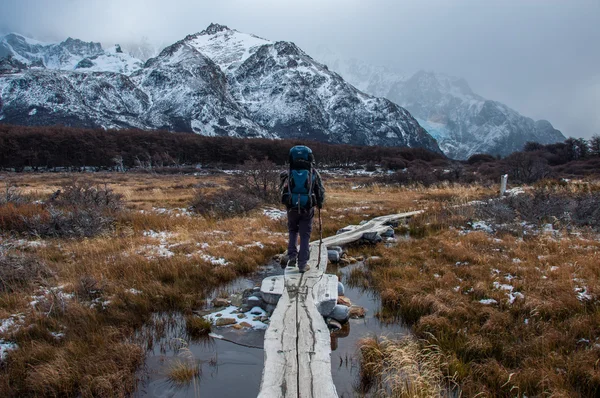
point(300, 179)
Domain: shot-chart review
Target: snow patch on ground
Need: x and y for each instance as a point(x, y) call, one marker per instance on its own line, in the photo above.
point(274, 214)
point(251, 317)
point(214, 260)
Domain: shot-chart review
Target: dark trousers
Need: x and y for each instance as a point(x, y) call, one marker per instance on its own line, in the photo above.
point(300, 224)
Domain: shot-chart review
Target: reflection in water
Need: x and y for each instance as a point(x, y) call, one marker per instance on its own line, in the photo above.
point(344, 360)
point(230, 362)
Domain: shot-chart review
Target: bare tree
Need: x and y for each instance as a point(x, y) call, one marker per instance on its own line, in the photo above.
point(260, 178)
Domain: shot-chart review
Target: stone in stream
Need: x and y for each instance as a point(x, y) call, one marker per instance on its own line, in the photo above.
point(333, 324)
point(340, 313)
point(357, 312)
point(341, 289)
point(269, 308)
point(254, 301)
point(225, 321)
point(241, 316)
point(220, 302)
point(236, 299)
point(388, 233)
point(333, 256)
point(371, 237)
point(246, 325)
point(336, 248)
point(343, 300)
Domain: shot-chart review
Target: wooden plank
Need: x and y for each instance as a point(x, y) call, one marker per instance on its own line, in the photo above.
point(297, 342)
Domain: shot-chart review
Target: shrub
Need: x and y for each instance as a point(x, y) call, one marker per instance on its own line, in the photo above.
point(259, 178)
point(80, 209)
point(224, 204)
point(20, 270)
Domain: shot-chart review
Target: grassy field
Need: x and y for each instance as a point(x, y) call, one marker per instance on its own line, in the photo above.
point(70, 304)
point(512, 306)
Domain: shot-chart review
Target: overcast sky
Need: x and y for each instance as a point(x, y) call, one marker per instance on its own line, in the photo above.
point(540, 57)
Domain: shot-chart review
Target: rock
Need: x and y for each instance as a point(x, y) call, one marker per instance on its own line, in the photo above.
point(237, 326)
point(333, 324)
point(241, 316)
point(360, 258)
point(236, 299)
point(269, 308)
point(225, 321)
point(256, 289)
point(254, 301)
point(264, 318)
point(393, 223)
point(341, 289)
point(336, 248)
point(220, 302)
point(389, 233)
point(256, 318)
point(246, 325)
point(340, 313)
point(352, 260)
point(357, 312)
point(344, 261)
point(333, 256)
point(371, 237)
point(343, 300)
point(218, 315)
point(256, 311)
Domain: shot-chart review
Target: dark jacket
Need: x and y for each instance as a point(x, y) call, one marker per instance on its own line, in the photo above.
point(317, 189)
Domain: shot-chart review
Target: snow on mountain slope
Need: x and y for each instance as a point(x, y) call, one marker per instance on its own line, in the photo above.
point(68, 55)
point(190, 93)
point(111, 60)
point(286, 91)
point(45, 97)
point(216, 82)
point(463, 122)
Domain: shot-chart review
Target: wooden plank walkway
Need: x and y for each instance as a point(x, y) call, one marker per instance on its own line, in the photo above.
point(298, 342)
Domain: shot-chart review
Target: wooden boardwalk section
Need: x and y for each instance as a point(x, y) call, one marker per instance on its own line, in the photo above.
point(298, 342)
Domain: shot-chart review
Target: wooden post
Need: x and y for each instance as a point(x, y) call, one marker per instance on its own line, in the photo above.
point(503, 182)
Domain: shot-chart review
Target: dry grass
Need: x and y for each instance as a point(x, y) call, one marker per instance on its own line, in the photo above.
point(513, 316)
point(184, 369)
point(95, 293)
point(197, 326)
point(402, 368)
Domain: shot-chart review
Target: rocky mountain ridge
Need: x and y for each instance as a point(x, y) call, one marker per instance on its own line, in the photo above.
point(462, 122)
point(216, 82)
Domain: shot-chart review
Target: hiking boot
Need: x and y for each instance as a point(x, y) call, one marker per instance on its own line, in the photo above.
point(304, 269)
point(291, 262)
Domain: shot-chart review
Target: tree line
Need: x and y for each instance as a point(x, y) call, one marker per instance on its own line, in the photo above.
point(59, 147)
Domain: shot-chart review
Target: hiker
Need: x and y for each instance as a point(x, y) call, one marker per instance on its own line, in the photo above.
point(301, 190)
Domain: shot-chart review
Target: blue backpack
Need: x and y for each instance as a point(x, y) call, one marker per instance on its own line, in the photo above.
point(300, 178)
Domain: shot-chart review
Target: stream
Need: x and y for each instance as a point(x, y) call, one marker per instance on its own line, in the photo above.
point(231, 361)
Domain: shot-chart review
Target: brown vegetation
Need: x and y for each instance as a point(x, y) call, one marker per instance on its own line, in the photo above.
point(515, 312)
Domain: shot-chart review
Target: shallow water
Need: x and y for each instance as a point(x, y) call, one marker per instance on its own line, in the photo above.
point(344, 364)
point(231, 365)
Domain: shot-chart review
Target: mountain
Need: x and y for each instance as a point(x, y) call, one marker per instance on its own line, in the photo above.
point(215, 82)
point(462, 122)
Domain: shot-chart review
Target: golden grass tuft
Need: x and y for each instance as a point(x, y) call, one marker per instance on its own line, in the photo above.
point(197, 326)
point(184, 369)
point(402, 368)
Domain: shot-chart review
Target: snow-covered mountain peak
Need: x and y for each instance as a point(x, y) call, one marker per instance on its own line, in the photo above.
point(228, 48)
point(214, 28)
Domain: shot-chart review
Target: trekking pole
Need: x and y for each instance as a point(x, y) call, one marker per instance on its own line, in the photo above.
point(320, 238)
